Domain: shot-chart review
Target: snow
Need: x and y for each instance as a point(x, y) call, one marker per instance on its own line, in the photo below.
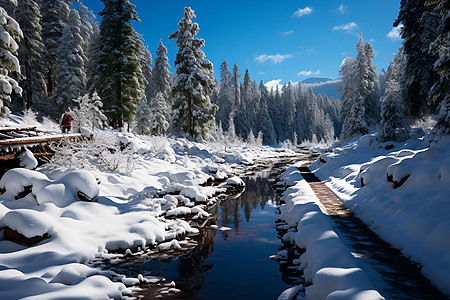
point(27, 160)
point(327, 264)
point(28, 222)
point(137, 205)
point(235, 181)
point(404, 197)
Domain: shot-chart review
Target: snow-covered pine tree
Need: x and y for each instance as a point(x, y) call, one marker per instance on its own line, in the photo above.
point(235, 84)
point(275, 112)
point(393, 116)
point(94, 113)
point(10, 35)
point(194, 80)
point(31, 51)
point(247, 108)
point(145, 60)
point(87, 114)
point(88, 27)
point(225, 99)
point(251, 140)
point(328, 130)
point(118, 76)
point(367, 81)
point(70, 69)
point(162, 77)
point(264, 123)
point(55, 14)
point(440, 92)
point(348, 87)
point(355, 125)
point(159, 115)
point(420, 24)
point(142, 119)
point(360, 92)
point(288, 112)
point(10, 7)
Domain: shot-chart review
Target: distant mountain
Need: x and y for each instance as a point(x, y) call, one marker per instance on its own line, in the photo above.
point(323, 86)
point(316, 80)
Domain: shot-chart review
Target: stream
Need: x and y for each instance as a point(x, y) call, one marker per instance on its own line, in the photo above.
point(232, 257)
point(233, 260)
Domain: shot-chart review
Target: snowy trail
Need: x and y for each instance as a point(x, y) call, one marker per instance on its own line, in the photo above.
point(394, 276)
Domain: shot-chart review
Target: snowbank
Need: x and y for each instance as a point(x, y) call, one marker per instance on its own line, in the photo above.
point(327, 264)
point(401, 193)
point(115, 193)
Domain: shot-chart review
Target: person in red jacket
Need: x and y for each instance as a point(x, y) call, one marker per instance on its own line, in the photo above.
point(65, 121)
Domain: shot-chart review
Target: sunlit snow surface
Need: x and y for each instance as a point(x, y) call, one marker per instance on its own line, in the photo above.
point(413, 214)
point(122, 210)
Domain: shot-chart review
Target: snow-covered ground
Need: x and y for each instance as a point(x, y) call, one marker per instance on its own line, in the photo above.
point(401, 193)
point(115, 193)
point(328, 266)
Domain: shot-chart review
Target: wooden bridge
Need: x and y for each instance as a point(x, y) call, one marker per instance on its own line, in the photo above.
point(14, 140)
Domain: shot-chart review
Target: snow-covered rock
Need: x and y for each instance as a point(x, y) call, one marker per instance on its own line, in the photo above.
point(82, 183)
point(28, 223)
point(235, 181)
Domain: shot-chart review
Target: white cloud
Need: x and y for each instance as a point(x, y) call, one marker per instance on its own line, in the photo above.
point(276, 59)
point(261, 73)
point(341, 9)
point(308, 73)
point(310, 50)
point(273, 83)
point(346, 27)
point(394, 34)
point(303, 11)
point(287, 33)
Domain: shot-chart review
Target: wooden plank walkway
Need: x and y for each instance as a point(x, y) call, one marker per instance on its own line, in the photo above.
point(400, 278)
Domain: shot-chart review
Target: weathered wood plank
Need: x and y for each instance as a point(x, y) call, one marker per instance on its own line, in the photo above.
point(39, 139)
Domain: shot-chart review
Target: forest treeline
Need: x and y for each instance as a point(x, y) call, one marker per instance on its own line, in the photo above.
point(55, 55)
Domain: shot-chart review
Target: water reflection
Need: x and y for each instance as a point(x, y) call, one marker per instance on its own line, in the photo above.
point(235, 263)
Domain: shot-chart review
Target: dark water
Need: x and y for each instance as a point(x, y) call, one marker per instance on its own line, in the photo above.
point(232, 264)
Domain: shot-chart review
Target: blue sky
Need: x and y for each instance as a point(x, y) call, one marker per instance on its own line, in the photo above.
point(281, 40)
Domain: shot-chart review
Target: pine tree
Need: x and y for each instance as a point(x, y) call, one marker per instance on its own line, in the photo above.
point(142, 118)
point(71, 73)
point(264, 123)
point(393, 125)
point(162, 78)
point(420, 23)
point(88, 113)
point(288, 112)
point(10, 7)
point(235, 84)
point(10, 35)
point(440, 92)
point(94, 113)
point(30, 51)
point(145, 60)
point(225, 97)
point(159, 115)
point(367, 81)
point(355, 125)
point(118, 76)
point(88, 28)
point(347, 87)
point(55, 14)
point(360, 93)
point(194, 80)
